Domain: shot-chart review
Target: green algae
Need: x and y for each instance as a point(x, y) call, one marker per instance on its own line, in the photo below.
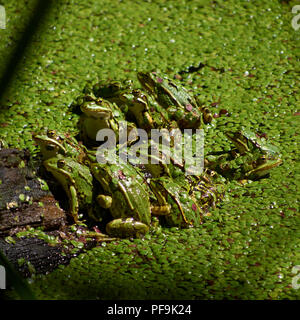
point(248, 246)
point(37, 233)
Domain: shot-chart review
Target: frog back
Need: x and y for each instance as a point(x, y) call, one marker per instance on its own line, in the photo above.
point(185, 210)
point(129, 193)
point(83, 182)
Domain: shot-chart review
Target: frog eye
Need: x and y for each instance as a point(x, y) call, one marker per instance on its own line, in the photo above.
point(261, 160)
point(50, 147)
point(60, 163)
point(51, 133)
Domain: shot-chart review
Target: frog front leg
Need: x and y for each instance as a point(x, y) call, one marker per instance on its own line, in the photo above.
point(162, 208)
point(126, 228)
point(72, 195)
point(74, 205)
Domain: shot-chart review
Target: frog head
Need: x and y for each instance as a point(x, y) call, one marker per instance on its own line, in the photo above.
point(50, 144)
point(259, 156)
point(149, 80)
point(107, 90)
point(100, 109)
point(97, 115)
point(53, 143)
point(137, 107)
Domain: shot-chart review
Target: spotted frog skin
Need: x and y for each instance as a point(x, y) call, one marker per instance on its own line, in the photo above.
point(100, 114)
point(52, 143)
point(183, 107)
point(183, 208)
point(252, 158)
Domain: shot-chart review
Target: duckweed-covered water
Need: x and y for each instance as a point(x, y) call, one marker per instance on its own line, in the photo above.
point(249, 245)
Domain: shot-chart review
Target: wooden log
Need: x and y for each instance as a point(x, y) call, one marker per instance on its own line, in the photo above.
point(24, 198)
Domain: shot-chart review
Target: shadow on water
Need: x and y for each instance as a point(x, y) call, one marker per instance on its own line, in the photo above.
point(37, 16)
point(41, 9)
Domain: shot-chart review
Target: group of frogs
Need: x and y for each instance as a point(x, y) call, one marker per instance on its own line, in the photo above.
point(138, 196)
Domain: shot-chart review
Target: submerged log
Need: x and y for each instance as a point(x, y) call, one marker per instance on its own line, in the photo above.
point(24, 197)
point(33, 255)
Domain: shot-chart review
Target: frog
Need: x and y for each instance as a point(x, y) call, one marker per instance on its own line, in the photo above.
point(145, 111)
point(102, 114)
point(258, 155)
point(183, 209)
point(49, 145)
point(180, 104)
point(208, 189)
point(58, 149)
point(76, 180)
point(126, 196)
point(252, 158)
point(136, 104)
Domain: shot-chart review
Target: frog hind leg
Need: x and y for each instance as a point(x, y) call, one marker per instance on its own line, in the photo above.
point(104, 201)
point(126, 228)
point(74, 206)
point(161, 210)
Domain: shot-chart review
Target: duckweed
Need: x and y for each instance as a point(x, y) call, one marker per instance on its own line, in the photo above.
point(247, 247)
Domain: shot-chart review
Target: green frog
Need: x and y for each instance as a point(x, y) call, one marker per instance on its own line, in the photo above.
point(102, 114)
point(252, 158)
point(183, 210)
point(49, 146)
point(126, 196)
point(258, 155)
point(53, 143)
point(183, 107)
point(76, 180)
point(136, 104)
